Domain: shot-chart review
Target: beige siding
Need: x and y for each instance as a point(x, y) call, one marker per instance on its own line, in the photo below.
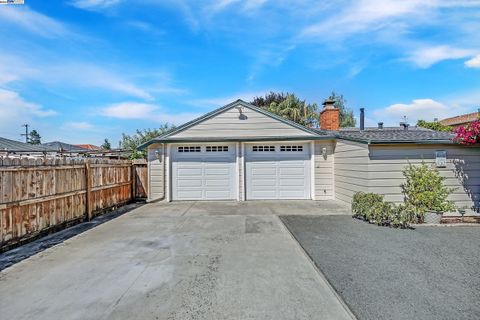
point(156, 172)
point(350, 169)
point(228, 124)
point(462, 172)
point(323, 166)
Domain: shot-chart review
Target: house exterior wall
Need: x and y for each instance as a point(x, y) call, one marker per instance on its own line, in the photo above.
point(156, 171)
point(251, 124)
point(323, 170)
point(462, 172)
point(350, 169)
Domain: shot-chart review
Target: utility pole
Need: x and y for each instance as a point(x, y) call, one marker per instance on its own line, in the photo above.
point(26, 132)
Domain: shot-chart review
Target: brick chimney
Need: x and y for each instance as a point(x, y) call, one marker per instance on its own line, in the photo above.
point(329, 116)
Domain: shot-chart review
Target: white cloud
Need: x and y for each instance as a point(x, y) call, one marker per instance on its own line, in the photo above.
point(79, 125)
point(426, 57)
point(94, 4)
point(474, 62)
point(15, 111)
point(130, 110)
point(418, 109)
point(147, 112)
point(365, 15)
point(33, 21)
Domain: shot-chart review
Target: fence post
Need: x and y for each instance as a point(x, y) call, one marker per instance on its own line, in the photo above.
point(88, 179)
point(134, 181)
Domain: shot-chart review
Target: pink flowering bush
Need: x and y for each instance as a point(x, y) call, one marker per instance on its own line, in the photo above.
point(469, 134)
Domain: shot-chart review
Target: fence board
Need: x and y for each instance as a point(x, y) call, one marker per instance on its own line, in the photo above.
point(38, 194)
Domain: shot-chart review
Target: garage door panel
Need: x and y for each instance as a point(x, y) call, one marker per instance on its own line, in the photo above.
point(290, 194)
point(192, 194)
point(295, 182)
point(188, 172)
point(258, 170)
point(291, 171)
point(216, 183)
point(225, 170)
point(264, 183)
point(189, 183)
point(264, 194)
point(219, 194)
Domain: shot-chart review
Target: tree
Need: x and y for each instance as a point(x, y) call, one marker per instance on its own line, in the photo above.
point(106, 145)
point(346, 114)
point(469, 134)
point(34, 137)
point(132, 142)
point(435, 125)
point(290, 107)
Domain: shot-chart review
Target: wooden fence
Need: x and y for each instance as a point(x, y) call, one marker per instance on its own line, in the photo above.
point(37, 195)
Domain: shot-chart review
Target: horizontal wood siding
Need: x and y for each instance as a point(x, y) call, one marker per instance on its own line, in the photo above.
point(230, 124)
point(350, 169)
point(324, 185)
point(462, 172)
point(156, 172)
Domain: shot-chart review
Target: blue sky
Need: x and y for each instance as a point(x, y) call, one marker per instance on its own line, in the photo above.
point(80, 71)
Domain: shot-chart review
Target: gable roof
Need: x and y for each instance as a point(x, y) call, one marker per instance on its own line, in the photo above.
point(65, 147)
point(165, 137)
point(17, 146)
point(393, 135)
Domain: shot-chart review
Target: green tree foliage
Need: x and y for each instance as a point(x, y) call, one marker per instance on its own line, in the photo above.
point(34, 137)
point(290, 107)
point(425, 189)
point(132, 142)
point(106, 145)
point(435, 125)
point(346, 115)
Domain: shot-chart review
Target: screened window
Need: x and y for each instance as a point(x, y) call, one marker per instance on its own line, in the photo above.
point(189, 149)
point(217, 148)
point(263, 148)
point(291, 148)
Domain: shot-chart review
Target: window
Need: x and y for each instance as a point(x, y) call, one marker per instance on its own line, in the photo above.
point(189, 149)
point(291, 148)
point(263, 148)
point(217, 148)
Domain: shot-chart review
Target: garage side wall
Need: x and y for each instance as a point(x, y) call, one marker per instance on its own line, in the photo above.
point(350, 169)
point(323, 166)
point(462, 172)
point(156, 172)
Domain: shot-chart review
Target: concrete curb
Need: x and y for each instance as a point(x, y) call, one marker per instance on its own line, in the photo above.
point(320, 273)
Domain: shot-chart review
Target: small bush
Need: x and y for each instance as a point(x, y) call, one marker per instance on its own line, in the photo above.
point(362, 204)
point(373, 208)
point(425, 189)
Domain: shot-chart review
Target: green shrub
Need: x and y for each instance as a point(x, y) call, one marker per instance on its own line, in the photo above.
point(425, 189)
point(403, 215)
point(362, 203)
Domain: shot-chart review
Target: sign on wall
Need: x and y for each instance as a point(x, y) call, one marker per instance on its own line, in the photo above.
point(441, 159)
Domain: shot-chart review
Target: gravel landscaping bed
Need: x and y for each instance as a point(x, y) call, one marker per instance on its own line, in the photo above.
point(385, 273)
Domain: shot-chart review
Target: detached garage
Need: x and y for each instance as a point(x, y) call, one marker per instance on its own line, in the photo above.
point(240, 152)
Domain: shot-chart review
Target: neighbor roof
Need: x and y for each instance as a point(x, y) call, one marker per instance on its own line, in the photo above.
point(17, 146)
point(395, 135)
point(65, 147)
point(464, 118)
point(88, 147)
point(316, 134)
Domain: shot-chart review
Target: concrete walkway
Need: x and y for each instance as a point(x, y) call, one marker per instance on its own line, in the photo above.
point(190, 260)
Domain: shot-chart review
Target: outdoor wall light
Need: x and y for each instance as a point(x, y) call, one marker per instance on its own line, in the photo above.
point(324, 152)
point(157, 154)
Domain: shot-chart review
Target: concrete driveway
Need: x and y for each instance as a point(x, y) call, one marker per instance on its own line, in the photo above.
point(190, 260)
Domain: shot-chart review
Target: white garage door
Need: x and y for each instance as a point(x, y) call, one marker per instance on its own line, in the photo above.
point(278, 171)
point(204, 172)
